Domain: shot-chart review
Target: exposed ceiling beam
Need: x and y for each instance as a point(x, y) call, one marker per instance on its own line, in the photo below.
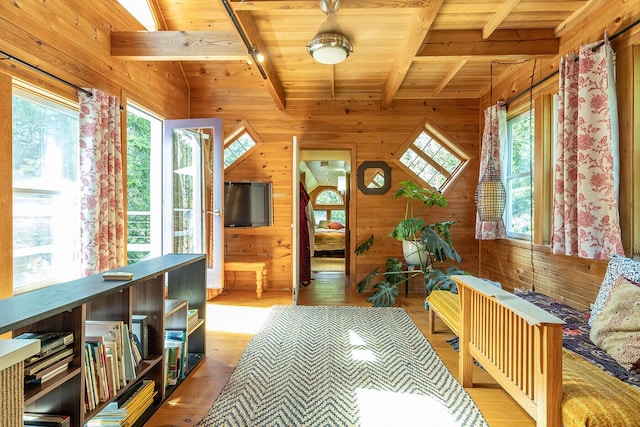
point(448, 77)
point(498, 17)
point(273, 81)
point(578, 16)
point(177, 46)
point(416, 34)
point(502, 44)
point(315, 4)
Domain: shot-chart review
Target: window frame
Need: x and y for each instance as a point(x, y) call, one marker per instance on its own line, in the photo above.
point(243, 128)
point(438, 136)
point(55, 101)
point(156, 177)
point(508, 176)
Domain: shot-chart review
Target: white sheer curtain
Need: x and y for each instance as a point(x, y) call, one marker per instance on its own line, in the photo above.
point(102, 234)
point(495, 125)
point(585, 204)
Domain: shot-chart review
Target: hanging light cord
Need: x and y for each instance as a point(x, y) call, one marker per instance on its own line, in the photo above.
point(533, 272)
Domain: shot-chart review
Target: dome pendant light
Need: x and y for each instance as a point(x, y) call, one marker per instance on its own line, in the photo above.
point(329, 46)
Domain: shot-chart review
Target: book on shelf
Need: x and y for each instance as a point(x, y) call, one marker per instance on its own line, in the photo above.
point(128, 407)
point(111, 414)
point(129, 364)
point(140, 328)
point(47, 420)
point(113, 332)
point(95, 345)
point(92, 395)
point(50, 342)
point(178, 338)
point(137, 402)
point(117, 275)
point(111, 352)
point(35, 367)
point(171, 374)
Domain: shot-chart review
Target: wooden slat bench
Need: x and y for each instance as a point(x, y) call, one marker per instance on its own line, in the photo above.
point(520, 346)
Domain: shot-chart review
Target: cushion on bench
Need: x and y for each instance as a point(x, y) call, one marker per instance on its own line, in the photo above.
point(446, 305)
point(592, 397)
point(575, 336)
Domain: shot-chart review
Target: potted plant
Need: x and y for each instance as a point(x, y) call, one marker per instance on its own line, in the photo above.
point(423, 244)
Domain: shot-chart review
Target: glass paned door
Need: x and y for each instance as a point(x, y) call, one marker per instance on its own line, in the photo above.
point(187, 177)
point(193, 192)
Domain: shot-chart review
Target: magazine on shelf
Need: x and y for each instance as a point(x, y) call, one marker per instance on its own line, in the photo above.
point(47, 420)
point(47, 373)
point(35, 367)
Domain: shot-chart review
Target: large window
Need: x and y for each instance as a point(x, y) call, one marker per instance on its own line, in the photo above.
point(144, 183)
point(518, 178)
point(46, 213)
point(433, 159)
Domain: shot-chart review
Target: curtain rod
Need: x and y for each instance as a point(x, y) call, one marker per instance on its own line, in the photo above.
point(34, 68)
point(596, 47)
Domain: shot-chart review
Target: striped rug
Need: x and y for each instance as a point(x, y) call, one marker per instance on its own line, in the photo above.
point(341, 366)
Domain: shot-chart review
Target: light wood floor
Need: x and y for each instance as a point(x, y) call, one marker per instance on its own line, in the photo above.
point(233, 318)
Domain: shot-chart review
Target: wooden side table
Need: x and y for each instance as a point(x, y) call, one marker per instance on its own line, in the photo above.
point(259, 267)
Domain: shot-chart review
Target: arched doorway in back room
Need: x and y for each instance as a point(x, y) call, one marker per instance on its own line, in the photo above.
point(326, 176)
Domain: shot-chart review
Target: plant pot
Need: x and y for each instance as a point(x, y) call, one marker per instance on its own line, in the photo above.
point(415, 252)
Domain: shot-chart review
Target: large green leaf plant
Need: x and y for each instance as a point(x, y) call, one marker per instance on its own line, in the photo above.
point(433, 238)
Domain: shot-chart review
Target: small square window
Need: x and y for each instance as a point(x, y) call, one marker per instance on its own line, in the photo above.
point(431, 157)
point(239, 144)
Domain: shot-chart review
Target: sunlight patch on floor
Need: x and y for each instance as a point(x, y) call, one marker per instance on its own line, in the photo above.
point(236, 319)
point(387, 408)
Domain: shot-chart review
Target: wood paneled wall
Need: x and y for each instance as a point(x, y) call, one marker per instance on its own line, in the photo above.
point(574, 280)
point(71, 40)
point(377, 135)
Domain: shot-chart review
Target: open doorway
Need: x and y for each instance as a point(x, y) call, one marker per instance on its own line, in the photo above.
point(326, 177)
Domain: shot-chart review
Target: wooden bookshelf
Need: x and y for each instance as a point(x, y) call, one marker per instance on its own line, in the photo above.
point(66, 307)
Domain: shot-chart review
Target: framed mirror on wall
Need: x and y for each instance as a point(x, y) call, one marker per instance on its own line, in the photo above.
point(374, 177)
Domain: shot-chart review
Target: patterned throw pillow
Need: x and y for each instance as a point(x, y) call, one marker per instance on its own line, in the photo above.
point(616, 329)
point(618, 266)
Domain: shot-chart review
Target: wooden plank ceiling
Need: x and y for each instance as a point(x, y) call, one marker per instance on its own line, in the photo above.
point(401, 49)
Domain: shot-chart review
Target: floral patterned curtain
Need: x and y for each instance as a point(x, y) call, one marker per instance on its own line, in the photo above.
point(495, 125)
point(101, 183)
point(585, 203)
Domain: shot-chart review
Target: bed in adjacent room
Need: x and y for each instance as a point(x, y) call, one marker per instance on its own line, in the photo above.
point(329, 236)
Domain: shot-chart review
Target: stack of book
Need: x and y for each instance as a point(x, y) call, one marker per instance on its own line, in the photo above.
point(192, 319)
point(110, 361)
point(128, 408)
point(56, 352)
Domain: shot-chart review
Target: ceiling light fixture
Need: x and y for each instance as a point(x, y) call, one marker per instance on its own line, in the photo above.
point(330, 46)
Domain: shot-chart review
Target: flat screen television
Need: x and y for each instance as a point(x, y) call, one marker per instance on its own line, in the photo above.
point(247, 204)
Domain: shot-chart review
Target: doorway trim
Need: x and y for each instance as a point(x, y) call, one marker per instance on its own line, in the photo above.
point(350, 265)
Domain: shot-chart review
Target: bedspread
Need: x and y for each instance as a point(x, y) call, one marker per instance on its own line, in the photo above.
point(329, 240)
point(575, 336)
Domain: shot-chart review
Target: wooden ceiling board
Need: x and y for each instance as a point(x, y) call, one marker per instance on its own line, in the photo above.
point(379, 32)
